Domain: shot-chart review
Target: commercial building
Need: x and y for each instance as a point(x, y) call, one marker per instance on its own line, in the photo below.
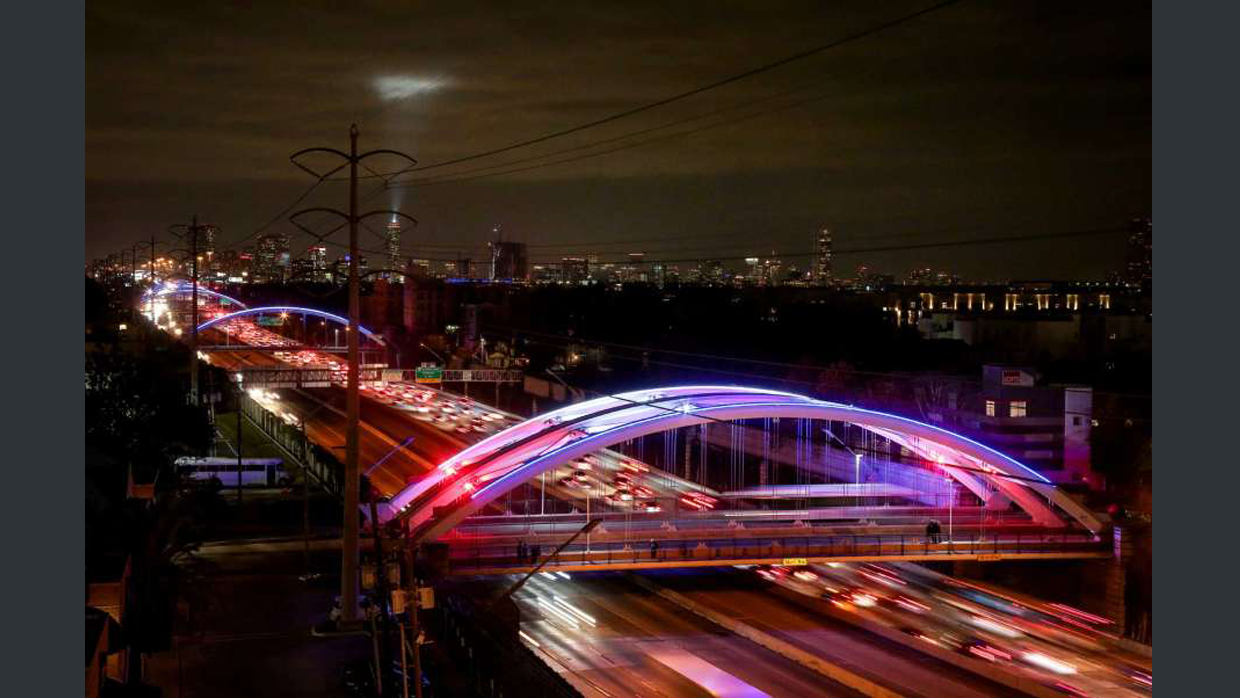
point(509, 261)
point(318, 263)
point(271, 259)
point(1045, 427)
point(393, 251)
point(823, 274)
point(574, 270)
point(1139, 266)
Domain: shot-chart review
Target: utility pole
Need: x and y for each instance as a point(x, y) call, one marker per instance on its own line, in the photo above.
point(350, 551)
point(192, 232)
point(193, 330)
point(151, 277)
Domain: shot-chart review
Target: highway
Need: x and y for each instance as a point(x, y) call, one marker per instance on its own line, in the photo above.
point(1053, 646)
point(610, 637)
point(625, 641)
point(900, 669)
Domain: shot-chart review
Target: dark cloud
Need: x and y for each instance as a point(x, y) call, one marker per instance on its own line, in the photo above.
point(999, 118)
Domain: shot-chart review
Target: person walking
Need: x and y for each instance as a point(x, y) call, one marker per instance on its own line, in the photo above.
point(521, 552)
point(654, 549)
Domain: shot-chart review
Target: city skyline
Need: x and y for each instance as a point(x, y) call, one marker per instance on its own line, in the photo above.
point(888, 156)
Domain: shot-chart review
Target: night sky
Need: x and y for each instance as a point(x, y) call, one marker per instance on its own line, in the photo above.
point(979, 120)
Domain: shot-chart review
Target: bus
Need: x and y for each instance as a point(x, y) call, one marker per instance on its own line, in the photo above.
point(255, 472)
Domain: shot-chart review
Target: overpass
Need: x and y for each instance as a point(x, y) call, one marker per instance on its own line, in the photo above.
point(441, 505)
point(453, 497)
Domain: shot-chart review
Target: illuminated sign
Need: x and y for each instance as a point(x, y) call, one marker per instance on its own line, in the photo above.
point(428, 374)
point(795, 561)
point(1017, 378)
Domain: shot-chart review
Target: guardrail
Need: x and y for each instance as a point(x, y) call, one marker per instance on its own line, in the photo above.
point(298, 377)
point(719, 551)
point(324, 468)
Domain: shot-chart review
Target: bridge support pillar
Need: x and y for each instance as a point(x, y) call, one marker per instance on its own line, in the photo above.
point(1115, 589)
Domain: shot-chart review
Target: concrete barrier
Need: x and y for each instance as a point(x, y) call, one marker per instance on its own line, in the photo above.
point(781, 647)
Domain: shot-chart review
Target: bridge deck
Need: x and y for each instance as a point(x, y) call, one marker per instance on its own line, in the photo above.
point(487, 560)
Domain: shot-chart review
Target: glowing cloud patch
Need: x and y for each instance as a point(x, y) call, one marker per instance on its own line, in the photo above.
point(392, 87)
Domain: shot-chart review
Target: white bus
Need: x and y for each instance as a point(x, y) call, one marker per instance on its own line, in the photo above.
point(255, 472)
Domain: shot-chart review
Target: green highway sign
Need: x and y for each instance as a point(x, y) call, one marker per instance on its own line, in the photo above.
point(270, 320)
point(429, 374)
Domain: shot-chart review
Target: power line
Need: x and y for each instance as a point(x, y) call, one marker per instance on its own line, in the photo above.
point(448, 179)
point(564, 340)
point(698, 90)
point(623, 136)
point(283, 212)
point(894, 248)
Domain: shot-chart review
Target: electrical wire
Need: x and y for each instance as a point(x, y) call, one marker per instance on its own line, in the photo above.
point(701, 89)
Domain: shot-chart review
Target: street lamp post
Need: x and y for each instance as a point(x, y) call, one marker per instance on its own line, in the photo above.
point(857, 478)
point(951, 502)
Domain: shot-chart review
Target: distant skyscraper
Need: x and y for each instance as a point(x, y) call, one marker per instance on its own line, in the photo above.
point(754, 274)
point(1139, 269)
point(823, 274)
point(574, 270)
point(420, 268)
point(508, 259)
point(318, 264)
point(393, 250)
point(271, 259)
point(210, 264)
point(658, 274)
point(340, 270)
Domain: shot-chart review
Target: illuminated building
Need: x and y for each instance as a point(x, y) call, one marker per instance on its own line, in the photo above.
point(823, 274)
point(509, 261)
point(574, 270)
point(393, 251)
point(1139, 266)
point(271, 259)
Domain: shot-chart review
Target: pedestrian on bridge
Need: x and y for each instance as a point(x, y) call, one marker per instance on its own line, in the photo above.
point(535, 552)
point(521, 552)
point(654, 549)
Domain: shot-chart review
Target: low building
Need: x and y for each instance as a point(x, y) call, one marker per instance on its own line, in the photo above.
point(1046, 427)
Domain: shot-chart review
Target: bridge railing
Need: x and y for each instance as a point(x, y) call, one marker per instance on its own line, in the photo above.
point(785, 550)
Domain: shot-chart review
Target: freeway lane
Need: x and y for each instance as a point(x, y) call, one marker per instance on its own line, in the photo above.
point(906, 671)
point(635, 638)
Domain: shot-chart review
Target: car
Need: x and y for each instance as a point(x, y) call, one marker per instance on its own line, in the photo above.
point(634, 466)
point(650, 507)
point(693, 503)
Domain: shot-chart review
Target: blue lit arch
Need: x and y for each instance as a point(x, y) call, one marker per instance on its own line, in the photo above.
point(276, 309)
point(170, 289)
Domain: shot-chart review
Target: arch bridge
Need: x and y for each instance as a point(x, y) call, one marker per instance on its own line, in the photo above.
point(287, 310)
point(470, 483)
